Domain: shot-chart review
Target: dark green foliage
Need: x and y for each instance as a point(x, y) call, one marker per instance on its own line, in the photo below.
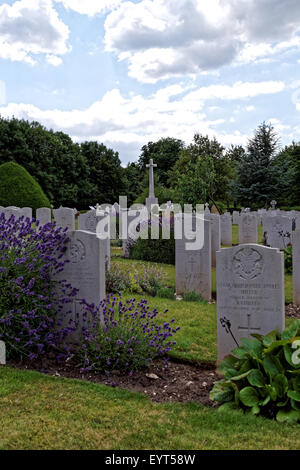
point(288, 260)
point(70, 174)
point(256, 175)
point(192, 297)
point(18, 188)
point(157, 251)
point(262, 376)
point(166, 293)
point(165, 153)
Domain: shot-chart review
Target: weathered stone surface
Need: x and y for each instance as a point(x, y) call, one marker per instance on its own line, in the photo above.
point(296, 267)
point(43, 215)
point(215, 237)
point(278, 231)
point(226, 229)
point(65, 217)
point(250, 294)
point(85, 270)
point(247, 228)
point(193, 267)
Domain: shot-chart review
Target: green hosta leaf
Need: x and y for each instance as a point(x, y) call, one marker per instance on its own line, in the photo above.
point(249, 396)
point(294, 395)
point(270, 338)
point(271, 392)
point(295, 405)
point(296, 383)
point(241, 376)
point(255, 410)
point(290, 416)
point(256, 378)
point(231, 373)
point(253, 346)
point(229, 406)
point(240, 353)
point(291, 331)
point(282, 403)
point(271, 366)
point(218, 393)
point(265, 401)
point(281, 385)
point(229, 362)
point(276, 344)
point(288, 354)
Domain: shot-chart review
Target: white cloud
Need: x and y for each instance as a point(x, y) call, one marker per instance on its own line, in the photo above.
point(29, 28)
point(90, 7)
point(130, 121)
point(2, 93)
point(53, 60)
point(168, 38)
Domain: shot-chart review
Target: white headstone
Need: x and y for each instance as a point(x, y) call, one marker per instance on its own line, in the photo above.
point(215, 237)
point(43, 215)
point(85, 270)
point(250, 294)
point(193, 267)
point(247, 228)
point(296, 267)
point(279, 231)
point(226, 229)
point(2, 353)
point(65, 217)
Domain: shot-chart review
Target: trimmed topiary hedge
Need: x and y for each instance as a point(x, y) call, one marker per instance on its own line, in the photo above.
point(18, 188)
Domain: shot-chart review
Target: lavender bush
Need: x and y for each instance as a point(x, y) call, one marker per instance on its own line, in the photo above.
point(129, 338)
point(33, 317)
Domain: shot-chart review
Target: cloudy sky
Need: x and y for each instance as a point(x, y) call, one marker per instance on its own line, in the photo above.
point(129, 72)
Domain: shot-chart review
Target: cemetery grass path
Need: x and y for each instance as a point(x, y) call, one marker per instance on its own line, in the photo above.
point(42, 412)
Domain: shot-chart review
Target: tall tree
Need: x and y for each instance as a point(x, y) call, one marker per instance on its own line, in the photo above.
point(165, 153)
point(257, 182)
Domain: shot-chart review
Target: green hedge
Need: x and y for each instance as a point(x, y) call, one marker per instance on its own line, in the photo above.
point(18, 188)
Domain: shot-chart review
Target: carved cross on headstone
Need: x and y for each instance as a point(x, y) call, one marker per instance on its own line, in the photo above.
point(250, 329)
point(151, 177)
point(191, 263)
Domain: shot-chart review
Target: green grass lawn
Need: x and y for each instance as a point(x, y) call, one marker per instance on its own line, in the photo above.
point(42, 412)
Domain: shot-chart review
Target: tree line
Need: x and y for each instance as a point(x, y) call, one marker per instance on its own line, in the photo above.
point(82, 174)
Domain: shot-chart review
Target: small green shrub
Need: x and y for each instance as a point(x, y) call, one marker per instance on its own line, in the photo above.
point(263, 376)
point(18, 188)
point(288, 260)
point(155, 251)
point(166, 293)
point(192, 297)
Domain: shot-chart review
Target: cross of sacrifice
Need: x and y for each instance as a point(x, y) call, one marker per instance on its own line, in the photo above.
point(151, 177)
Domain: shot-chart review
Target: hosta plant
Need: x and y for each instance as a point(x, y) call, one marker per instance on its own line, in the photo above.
point(262, 376)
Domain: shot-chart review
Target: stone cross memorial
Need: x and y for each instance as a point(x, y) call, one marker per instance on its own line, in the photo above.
point(151, 200)
point(250, 294)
